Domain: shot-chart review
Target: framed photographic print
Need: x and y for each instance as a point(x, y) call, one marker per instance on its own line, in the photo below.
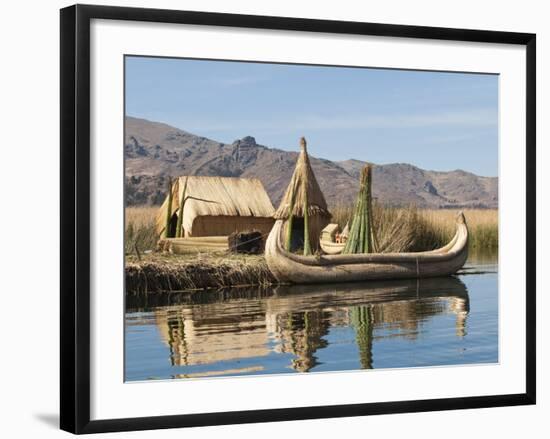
point(285, 218)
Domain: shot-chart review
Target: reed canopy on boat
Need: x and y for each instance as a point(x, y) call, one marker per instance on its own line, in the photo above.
point(214, 206)
point(303, 206)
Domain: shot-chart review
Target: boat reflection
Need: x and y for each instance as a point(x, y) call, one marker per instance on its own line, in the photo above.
point(248, 324)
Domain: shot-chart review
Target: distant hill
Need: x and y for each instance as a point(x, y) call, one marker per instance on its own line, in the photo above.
point(154, 151)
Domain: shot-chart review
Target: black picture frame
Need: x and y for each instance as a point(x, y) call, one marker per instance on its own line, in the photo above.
point(75, 217)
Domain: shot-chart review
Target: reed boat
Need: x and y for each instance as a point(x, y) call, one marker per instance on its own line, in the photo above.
point(298, 269)
point(331, 248)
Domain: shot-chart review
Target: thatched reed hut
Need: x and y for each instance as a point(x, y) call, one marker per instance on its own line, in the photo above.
point(304, 190)
point(216, 206)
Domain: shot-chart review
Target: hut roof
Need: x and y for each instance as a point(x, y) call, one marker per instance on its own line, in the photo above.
point(303, 179)
point(217, 196)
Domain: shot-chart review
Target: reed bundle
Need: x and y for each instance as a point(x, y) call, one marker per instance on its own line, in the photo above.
point(290, 220)
point(307, 244)
point(361, 236)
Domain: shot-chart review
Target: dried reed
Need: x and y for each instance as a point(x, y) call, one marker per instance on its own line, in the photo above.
point(411, 229)
point(163, 273)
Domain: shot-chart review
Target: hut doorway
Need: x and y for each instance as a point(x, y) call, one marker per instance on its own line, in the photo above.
point(173, 225)
point(297, 242)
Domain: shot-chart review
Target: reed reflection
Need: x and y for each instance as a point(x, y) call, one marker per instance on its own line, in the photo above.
point(248, 325)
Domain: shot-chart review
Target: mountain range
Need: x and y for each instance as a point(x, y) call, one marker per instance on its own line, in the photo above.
point(154, 151)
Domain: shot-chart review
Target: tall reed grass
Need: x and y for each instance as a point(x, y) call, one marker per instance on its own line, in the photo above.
point(397, 229)
point(139, 230)
point(482, 226)
point(412, 229)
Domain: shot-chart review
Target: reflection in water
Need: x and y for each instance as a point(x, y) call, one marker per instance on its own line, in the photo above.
point(237, 331)
point(301, 334)
point(362, 320)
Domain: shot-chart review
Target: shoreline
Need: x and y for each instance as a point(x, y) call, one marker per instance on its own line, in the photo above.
point(158, 275)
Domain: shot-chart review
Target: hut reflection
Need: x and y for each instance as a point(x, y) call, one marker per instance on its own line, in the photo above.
point(244, 326)
point(195, 336)
point(301, 334)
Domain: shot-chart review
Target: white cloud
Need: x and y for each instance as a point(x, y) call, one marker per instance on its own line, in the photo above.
point(319, 122)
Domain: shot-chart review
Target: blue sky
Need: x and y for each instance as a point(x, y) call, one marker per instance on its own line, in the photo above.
point(438, 121)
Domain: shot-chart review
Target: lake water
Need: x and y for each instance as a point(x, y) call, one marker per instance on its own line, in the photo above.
point(297, 329)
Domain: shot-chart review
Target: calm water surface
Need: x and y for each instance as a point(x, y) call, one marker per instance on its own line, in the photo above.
point(298, 329)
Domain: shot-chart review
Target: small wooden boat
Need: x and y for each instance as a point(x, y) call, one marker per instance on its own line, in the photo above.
point(330, 247)
point(292, 268)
